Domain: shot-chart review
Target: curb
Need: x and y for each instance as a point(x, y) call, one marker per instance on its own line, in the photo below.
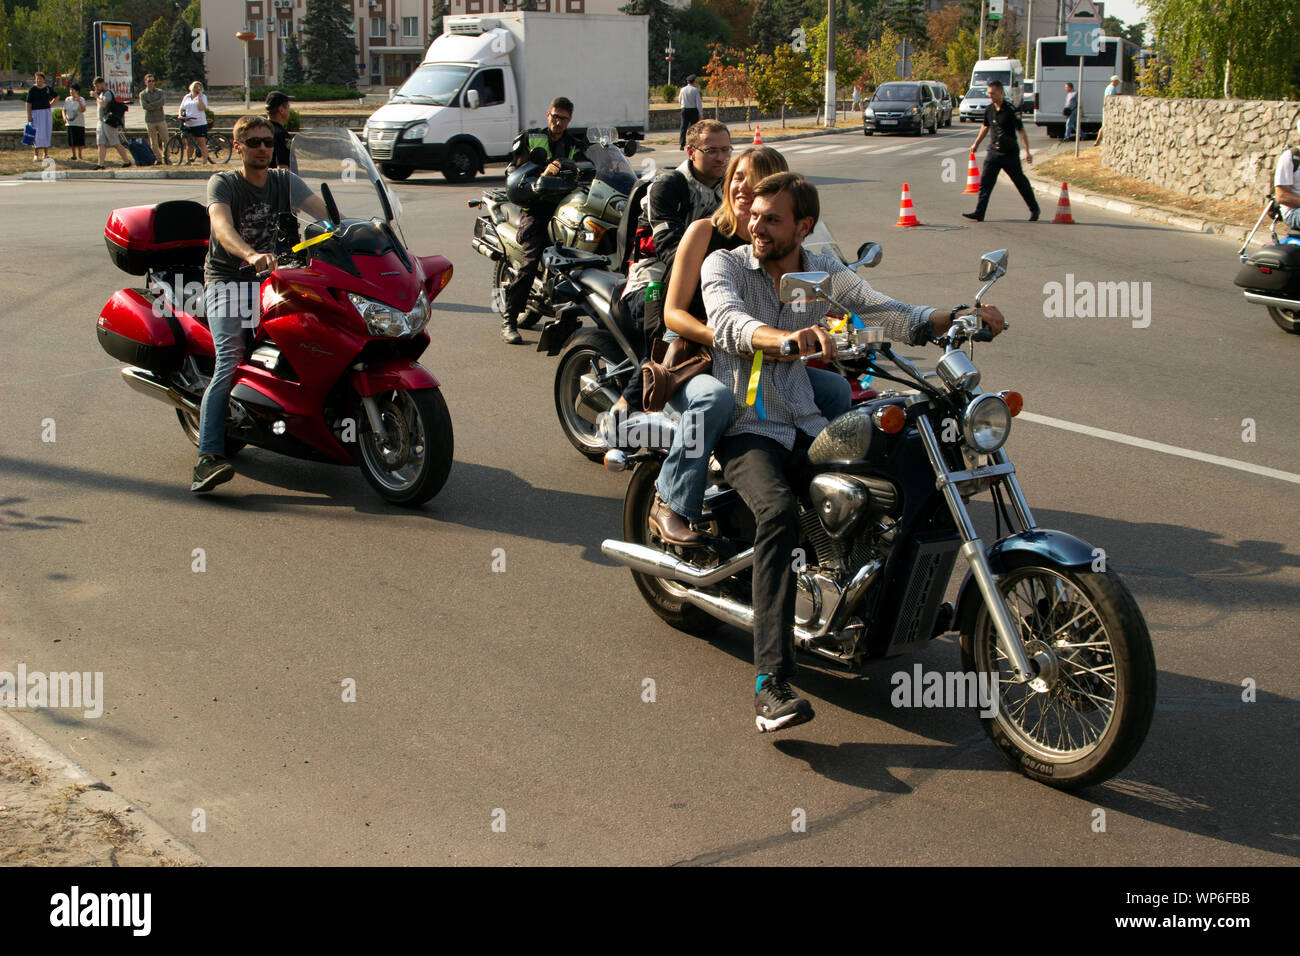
point(152, 836)
point(141, 173)
point(1145, 211)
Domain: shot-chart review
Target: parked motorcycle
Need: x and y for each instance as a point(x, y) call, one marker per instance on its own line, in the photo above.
point(331, 374)
point(586, 219)
point(882, 500)
point(1271, 275)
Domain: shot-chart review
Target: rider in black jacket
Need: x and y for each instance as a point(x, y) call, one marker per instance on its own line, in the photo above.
point(558, 144)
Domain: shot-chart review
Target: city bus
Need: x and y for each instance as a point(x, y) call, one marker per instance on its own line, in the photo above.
point(1054, 68)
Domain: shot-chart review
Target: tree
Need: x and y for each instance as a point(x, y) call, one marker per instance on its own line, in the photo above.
point(47, 37)
point(737, 14)
point(1201, 37)
point(86, 67)
point(697, 28)
point(781, 80)
point(908, 19)
point(151, 51)
point(848, 63)
point(184, 63)
point(193, 15)
point(291, 73)
point(728, 80)
point(772, 24)
point(660, 32)
point(331, 54)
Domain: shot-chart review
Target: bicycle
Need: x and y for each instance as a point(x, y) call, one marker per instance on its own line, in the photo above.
point(218, 147)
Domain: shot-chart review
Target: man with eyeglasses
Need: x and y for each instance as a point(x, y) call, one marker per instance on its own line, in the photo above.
point(673, 200)
point(534, 237)
point(244, 208)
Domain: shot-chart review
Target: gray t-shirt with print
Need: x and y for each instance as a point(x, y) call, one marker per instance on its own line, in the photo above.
point(255, 213)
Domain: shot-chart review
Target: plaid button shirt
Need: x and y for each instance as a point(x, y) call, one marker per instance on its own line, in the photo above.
point(740, 298)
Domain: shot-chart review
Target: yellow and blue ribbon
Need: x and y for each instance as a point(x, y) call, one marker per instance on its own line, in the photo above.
point(754, 396)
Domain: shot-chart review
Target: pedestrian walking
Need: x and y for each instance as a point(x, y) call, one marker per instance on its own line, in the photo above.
point(40, 113)
point(152, 101)
point(106, 133)
point(194, 115)
point(74, 118)
point(857, 100)
point(1071, 110)
point(1003, 123)
point(692, 104)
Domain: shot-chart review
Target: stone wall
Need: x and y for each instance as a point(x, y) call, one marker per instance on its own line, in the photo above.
point(1210, 149)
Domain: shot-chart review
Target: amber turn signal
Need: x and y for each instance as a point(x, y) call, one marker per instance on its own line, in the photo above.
point(889, 419)
point(1015, 402)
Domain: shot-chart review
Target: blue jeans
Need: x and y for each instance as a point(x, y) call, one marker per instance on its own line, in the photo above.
point(706, 406)
point(1069, 124)
point(229, 307)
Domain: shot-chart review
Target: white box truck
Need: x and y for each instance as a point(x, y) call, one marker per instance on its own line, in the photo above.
point(488, 77)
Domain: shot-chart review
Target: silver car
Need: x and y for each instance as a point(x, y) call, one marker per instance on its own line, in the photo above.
point(974, 103)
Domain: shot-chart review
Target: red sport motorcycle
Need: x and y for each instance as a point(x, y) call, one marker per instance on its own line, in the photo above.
point(331, 373)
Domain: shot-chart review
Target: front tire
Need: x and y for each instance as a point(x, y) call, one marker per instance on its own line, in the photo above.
point(396, 172)
point(502, 275)
point(173, 150)
point(219, 148)
point(461, 165)
point(591, 352)
point(1288, 320)
point(408, 464)
point(1100, 673)
point(664, 597)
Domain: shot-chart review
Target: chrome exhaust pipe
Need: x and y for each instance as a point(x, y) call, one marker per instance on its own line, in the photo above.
point(1277, 303)
point(741, 615)
point(483, 249)
point(661, 564)
point(146, 383)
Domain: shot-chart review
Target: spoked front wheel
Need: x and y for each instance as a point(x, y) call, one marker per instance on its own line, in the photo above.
point(1087, 715)
point(174, 150)
point(218, 147)
point(409, 461)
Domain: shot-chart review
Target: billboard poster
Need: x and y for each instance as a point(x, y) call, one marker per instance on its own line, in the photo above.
point(113, 57)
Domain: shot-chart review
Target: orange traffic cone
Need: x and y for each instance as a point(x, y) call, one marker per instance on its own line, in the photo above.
point(758, 137)
point(1063, 207)
point(972, 176)
point(906, 214)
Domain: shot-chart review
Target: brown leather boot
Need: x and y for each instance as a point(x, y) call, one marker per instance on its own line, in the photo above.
point(672, 527)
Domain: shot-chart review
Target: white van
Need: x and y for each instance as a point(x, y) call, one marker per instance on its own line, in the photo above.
point(487, 78)
point(1003, 68)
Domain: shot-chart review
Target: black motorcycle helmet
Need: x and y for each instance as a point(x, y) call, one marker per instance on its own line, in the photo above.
point(520, 183)
point(526, 187)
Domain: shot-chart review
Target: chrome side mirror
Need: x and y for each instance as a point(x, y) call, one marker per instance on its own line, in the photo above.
point(993, 265)
point(869, 255)
point(803, 287)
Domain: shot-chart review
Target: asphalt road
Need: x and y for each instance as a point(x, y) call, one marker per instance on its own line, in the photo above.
point(484, 696)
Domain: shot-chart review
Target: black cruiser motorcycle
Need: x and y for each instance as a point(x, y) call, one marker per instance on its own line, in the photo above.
point(883, 510)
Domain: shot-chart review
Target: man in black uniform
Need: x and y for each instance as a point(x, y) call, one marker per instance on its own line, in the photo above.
point(1004, 152)
point(277, 111)
point(533, 234)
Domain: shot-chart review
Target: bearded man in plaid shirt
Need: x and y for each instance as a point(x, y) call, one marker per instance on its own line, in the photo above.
point(740, 288)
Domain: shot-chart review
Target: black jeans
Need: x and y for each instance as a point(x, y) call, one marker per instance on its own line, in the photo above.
point(689, 118)
point(755, 467)
point(994, 162)
point(534, 239)
point(631, 320)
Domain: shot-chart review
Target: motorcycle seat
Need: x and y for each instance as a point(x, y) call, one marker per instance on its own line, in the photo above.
point(599, 282)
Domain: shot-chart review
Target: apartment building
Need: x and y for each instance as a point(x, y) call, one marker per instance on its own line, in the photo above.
point(391, 35)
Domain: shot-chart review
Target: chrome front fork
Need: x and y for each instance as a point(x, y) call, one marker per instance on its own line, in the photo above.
point(973, 550)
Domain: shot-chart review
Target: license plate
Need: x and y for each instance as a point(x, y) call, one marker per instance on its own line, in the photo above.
point(889, 122)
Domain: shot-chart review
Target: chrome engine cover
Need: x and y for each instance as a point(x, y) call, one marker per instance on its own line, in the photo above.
point(840, 502)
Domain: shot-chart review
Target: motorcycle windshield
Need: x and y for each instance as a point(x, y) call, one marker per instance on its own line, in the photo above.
point(612, 167)
point(334, 156)
point(821, 242)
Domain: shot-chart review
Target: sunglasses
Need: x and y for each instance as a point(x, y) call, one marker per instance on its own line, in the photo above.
point(265, 142)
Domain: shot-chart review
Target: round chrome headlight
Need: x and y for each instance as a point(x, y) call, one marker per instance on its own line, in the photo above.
point(987, 424)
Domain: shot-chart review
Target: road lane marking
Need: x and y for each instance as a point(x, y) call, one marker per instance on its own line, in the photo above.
point(1160, 447)
point(890, 149)
point(959, 149)
point(816, 149)
point(849, 149)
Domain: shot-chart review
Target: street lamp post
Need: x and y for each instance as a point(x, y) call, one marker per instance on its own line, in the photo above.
point(244, 36)
point(669, 51)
